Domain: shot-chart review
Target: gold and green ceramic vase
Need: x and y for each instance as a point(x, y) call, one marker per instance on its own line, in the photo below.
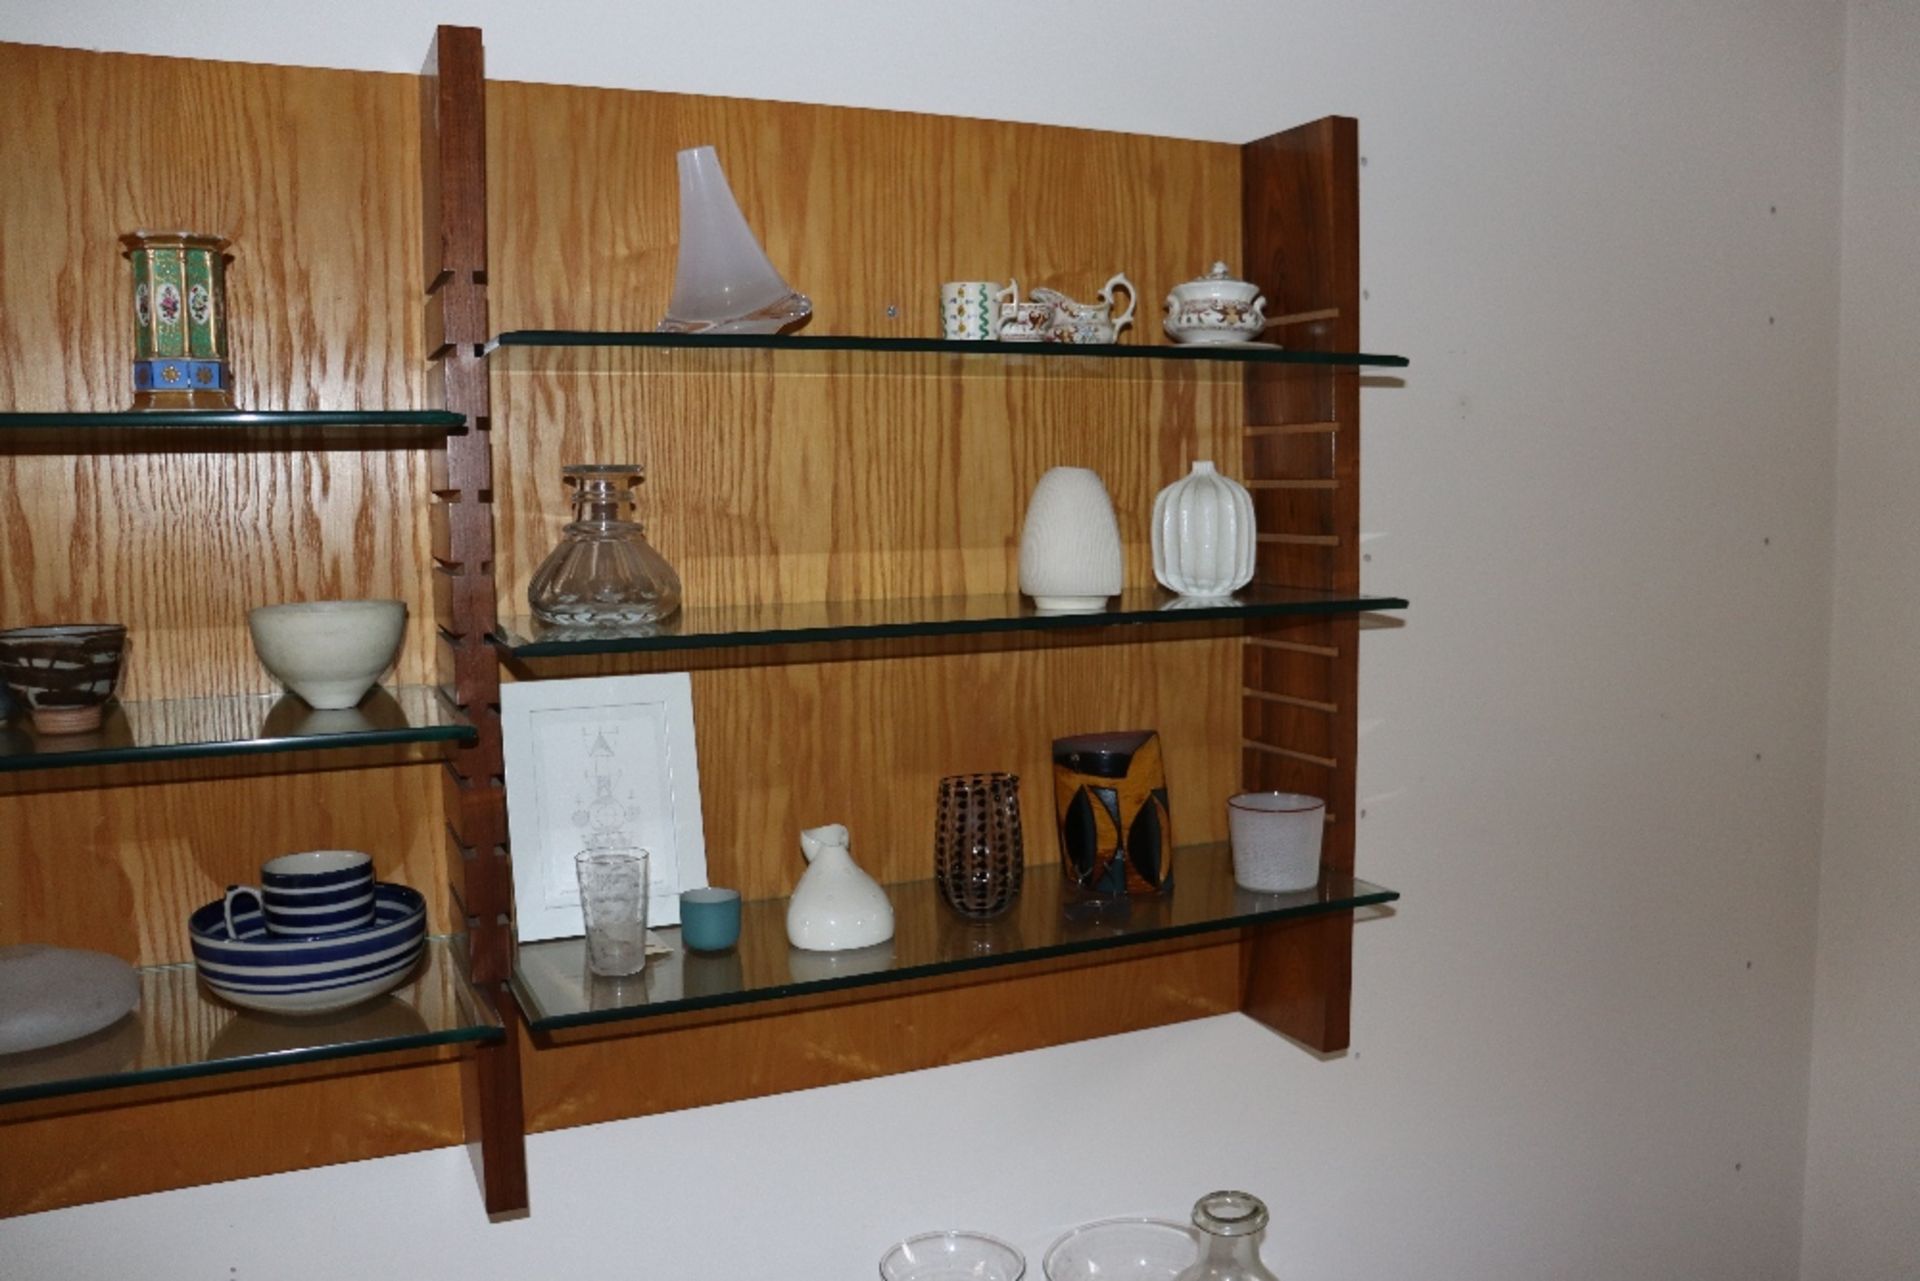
point(179, 320)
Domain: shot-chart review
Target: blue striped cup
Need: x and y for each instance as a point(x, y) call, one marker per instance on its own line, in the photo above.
point(313, 893)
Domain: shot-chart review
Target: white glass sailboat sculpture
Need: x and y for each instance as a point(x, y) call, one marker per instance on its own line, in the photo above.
point(723, 283)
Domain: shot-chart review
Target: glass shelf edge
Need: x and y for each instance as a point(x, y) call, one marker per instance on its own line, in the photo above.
point(1366, 894)
point(560, 646)
point(458, 730)
point(473, 1003)
point(157, 418)
point(227, 1067)
point(1198, 353)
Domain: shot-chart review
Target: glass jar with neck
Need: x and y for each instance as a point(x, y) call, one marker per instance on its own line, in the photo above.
point(603, 573)
point(1232, 1225)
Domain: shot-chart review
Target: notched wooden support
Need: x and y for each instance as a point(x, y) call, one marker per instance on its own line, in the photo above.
point(1301, 452)
point(454, 194)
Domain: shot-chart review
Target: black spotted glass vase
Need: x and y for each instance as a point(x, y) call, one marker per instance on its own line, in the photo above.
point(979, 854)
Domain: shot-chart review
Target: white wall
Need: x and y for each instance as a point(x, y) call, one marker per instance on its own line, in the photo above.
point(1863, 1159)
point(1608, 236)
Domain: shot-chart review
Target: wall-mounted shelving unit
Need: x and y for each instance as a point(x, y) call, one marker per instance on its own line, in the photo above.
point(843, 505)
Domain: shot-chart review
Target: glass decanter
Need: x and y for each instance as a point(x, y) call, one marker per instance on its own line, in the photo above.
point(603, 573)
point(1231, 1227)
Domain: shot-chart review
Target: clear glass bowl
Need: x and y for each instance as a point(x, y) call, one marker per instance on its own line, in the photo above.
point(953, 1256)
point(1122, 1250)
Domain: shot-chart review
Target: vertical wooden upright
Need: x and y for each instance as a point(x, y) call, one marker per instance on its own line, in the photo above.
point(1301, 239)
point(453, 183)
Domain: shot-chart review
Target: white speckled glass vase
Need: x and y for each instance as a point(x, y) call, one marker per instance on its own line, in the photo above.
point(1203, 534)
point(1070, 558)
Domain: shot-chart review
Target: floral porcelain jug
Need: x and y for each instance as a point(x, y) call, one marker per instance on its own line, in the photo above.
point(836, 906)
point(1088, 322)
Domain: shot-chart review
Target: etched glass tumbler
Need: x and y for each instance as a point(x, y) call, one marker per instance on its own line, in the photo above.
point(613, 903)
point(979, 854)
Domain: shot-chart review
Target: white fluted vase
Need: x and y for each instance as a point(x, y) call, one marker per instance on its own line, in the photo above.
point(1070, 558)
point(1203, 534)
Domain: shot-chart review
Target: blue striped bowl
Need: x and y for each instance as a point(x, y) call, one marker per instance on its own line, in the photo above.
point(263, 971)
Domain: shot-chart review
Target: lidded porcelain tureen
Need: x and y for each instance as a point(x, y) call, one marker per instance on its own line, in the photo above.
point(1215, 308)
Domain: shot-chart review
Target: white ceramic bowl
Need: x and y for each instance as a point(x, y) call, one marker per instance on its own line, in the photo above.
point(329, 652)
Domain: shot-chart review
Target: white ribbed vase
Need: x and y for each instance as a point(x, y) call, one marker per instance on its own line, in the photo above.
point(1070, 544)
point(1203, 534)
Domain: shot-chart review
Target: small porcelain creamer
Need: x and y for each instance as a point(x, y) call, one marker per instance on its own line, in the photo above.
point(1088, 322)
point(836, 906)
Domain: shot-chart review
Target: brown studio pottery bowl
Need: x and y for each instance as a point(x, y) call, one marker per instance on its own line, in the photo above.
point(64, 674)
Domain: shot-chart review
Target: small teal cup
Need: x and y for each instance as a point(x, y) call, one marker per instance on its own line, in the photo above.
point(710, 919)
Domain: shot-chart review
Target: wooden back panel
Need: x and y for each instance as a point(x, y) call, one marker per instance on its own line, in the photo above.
point(770, 485)
point(313, 175)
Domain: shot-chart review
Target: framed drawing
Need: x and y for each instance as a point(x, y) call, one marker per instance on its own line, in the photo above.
point(599, 763)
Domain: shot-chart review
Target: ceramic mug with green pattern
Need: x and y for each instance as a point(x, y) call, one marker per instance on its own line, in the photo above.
point(970, 309)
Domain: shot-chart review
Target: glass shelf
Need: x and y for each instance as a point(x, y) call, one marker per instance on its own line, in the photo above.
point(86, 431)
point(555, 989)
point(248, 724)
point(181, 1030)
point(593, 351)
point(713, 626)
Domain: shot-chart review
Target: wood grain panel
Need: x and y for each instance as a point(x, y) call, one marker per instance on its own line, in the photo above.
point(96, 1147)
point(866, 742)
point(120, 869)
point(861, 210)
point(812, 487)
point(768, 487)
point(313, 176)
point(825, 1042)
point(311, 173)
point(848, 483)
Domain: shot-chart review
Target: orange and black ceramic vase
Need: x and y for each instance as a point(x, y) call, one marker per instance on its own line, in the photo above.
point(1110, 792)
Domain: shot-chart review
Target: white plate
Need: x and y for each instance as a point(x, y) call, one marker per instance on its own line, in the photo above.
point(50, 995)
